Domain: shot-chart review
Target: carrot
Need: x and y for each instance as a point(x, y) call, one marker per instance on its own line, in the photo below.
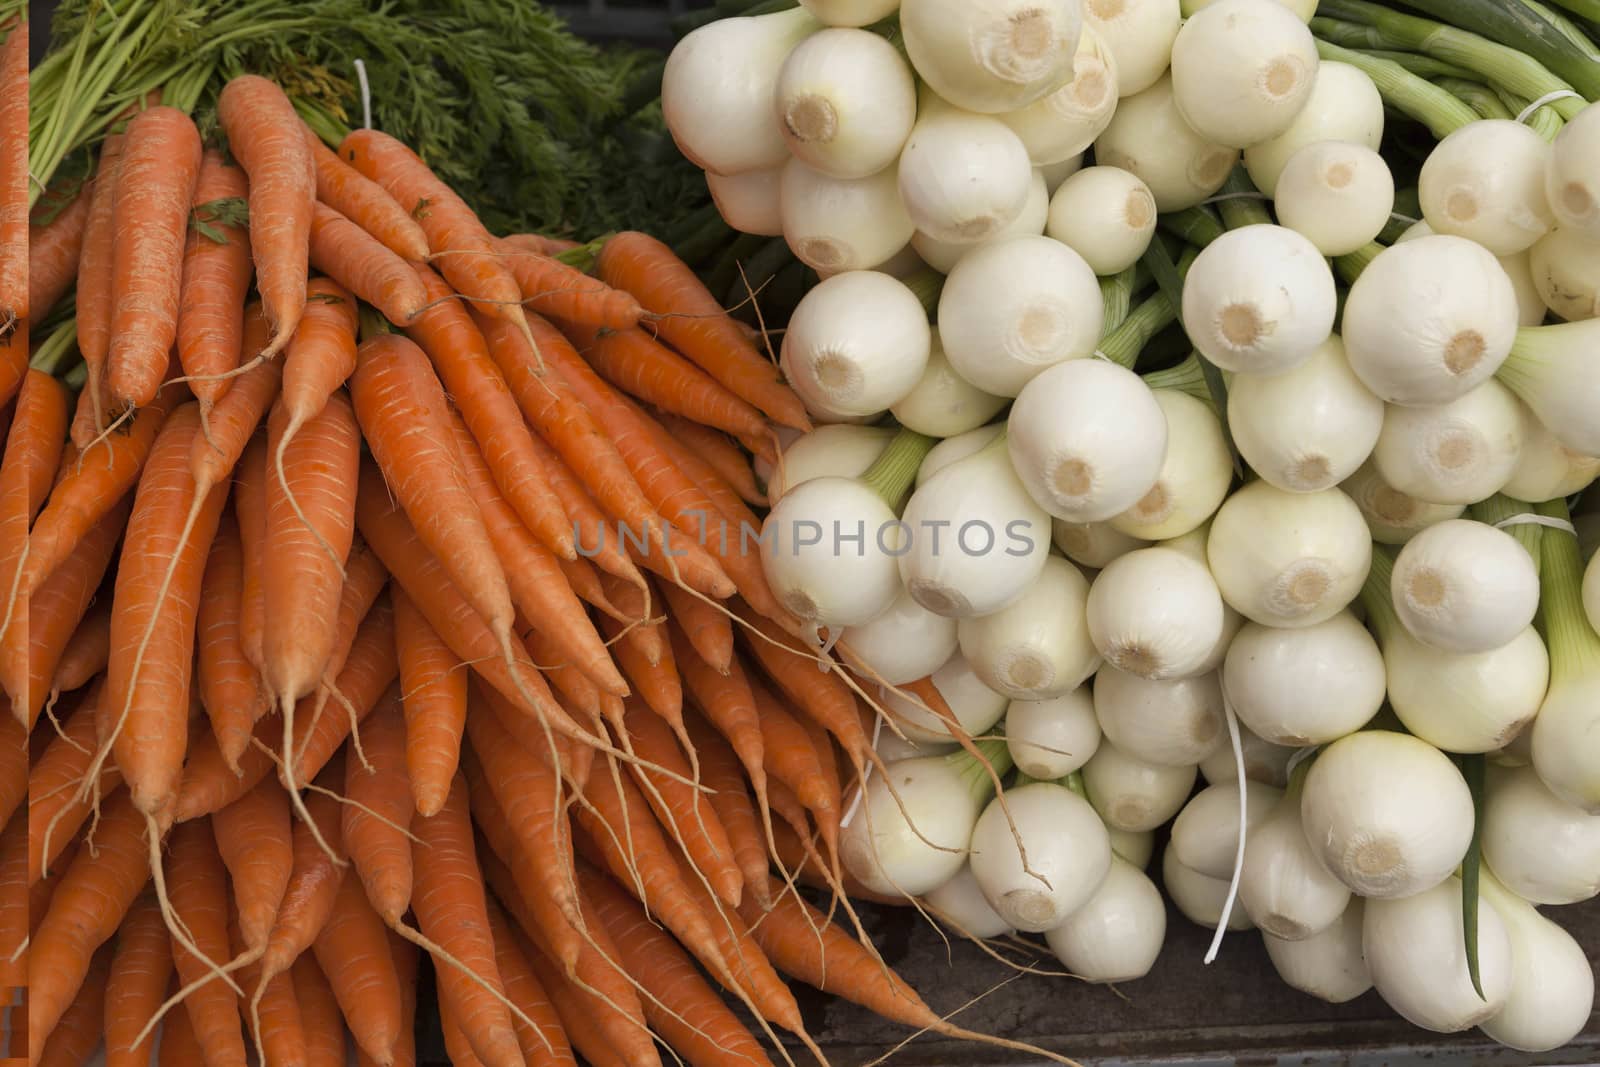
point(92, 295)
point(250, 508)
point(239, 411)
point(87, 907)
point(18, 902)
point(538, 242)
point(719, 454)
point(33, 449)
point(365, 203)
point(13, 363)
point(52, 783)
point(682, 1007)
point(352, 950)
point(179, 1046)
point(314, 881)
point(546, 1041)
point(456, 1045)
point(689, 318)
point(537, 585)
point(656, 683)
point(211, 783)
point(456, 239)
point(230, 689)
point(378, 817)
point(452, 914)
point(140, 971)
point(447, 333)
point(14, 174)
point(87, 650)
point(253, 838)
point(278, 1033)
point(708, 631)
point(574, 688)
point(790, 756)
point(53, 249)
point(267, 138)
point(406, 961)
point(322, 353)
point(364, 580)
point(216, 280)
point(728, 703)
point(433, 686)
point(153, 617)
point(578, 1018)
point(406, 423)
point(199, 893)
point(730, 799)
point(364, 265)
point(363, 685)
point(585, 582)
point(821, 695)
point(589, 535)
point(320, 1020)
point(150, 220)
point(634, 362)
point(78, 1033)
point(551, 287)
point(13, 766)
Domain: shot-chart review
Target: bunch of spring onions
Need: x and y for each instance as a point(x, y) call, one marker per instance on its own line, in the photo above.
point(1252, 457)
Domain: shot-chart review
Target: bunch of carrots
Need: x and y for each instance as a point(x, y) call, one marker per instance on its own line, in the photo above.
point(372, 594)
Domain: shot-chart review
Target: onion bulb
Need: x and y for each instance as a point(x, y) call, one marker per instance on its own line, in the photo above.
point(1337, 194)
point(1572, 180)
point(1051, 738)
point(1305, 686)
point(943, 256)
point(1148, 137)
point(1263, 761)
point(1092, 544)
point(1552, 982)
point(1486, 182)
point(944, 404)
point(1174, 723)
point(1066, 848)
point(749, 202)
point(805, 556)
point(954, 449)
point(1139, 35)
point(840, 224)
point(1038, 645)
point(850, 12)
point(857, 343)
point(1392, 516)
point(1327, 965)
point(975, 706)
point(902, 643)
point(1283, 886)
point(1551, 368)
point(1464, 586)
point(1459, 452)
point(1195, 475)
point(1131, 794)
point(1547, 469)
point(1155, 613)
point(1344, 105)
point(845, 102)
point(828, 451)
point(1543, 849)
point(1242, 70)
point(1205, 835)
point(963, 177)
point(1259, 299)
point(1116, 935)
point(1199, 897)
point(1415, 950)
point(991, 55)
point(1565, 265)
point(961, 904)
point(1063, 123)
point(1104, 214)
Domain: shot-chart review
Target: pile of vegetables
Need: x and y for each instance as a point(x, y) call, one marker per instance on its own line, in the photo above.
point(1211, 395)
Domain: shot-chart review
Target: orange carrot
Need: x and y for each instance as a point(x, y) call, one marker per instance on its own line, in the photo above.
point(589, 534)
point(280, 1034)
point(320, 1020)
point(13, 363)
point(27, 468)
point(364, 581)
point(578, 1018)
point(728, 703)
point(179, 1046)
point(545, 1043)
point(352, 950)
point(550, 287)
point(821, 695)
point(690, 319)
point(230, 689)
point(239, 411)
point(363, 685)
point(253, 837)
point(53, 249)
point(216, 280)
point(150, 220)
point(656, 683)
point(266, 136)
point(210, 783)
point(538, 242)
point(364, 265)
point(789, 755)
point(140, 971)
point(708, 631)
point(18, 903)
point(456, 1045)
point(365, 203)
point(14, 173)
point(250, 507)
point(379, 816)
point(78, 1033)
point(198, 889)
point(433, 686)
point(718, 453)
point(92, 295)
point(52, 783)
point(721, 772)
point(322, 353)
point(313, 885)
point(87, 651)
point(406, 961)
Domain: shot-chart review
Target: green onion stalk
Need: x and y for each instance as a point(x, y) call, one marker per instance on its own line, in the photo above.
point(1407, 93)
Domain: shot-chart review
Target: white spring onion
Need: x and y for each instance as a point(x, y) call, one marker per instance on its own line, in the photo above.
point(1194, 477)
point(1302, 9)
point(1134, 846)
point(1106, 215)
point(975, 706)
point(1263, 762)
point(1552, 368)
point(1065, 122)
point(1337, 194)
point(1088, 439)
point(1051, 738)
point(845, 102)
point(1429, 319)
point(1068, 854)
point(1392, 516)
point(943, 256)
point(977, 538)
point(1116, 935)
point(829, 545)
point(960, 903)
point(857, 343)
point(1464, 586)
point(1131, 794)
point(840, 224)
point(991, 55)
point(1417, 955)
point(716, 90)
point(1038, 645)
point(1139, 35)
point(828, 451)
point(1012, 308)
point(1283, 886)
point(749, 202)
point(1486, 182)
point(1155, 613)
point(1388, 815)
point(1242, 70)
point(850, 12)
point(1308, 685)
point(1174, 723)
point(1327, 965)
point(1552, 982)
point(1569, 718)
point(1344, 105)
point(1289, 559)
point(914, 844)
point(1199, 897)
point(1056, 173)
point(1530, 305)
point(1566, 265)
point(963, 177)
point(1458, 452)
point(1572, 181)
point(902, 643)
point(891, 747)
point(1259, 299)
point(1308, 428)
point(1148, 137)
point(944, 404)
point(1543, 849)
point(1547, 469)
point(959, 447)
point(1092, 544)
point(1205, 835)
